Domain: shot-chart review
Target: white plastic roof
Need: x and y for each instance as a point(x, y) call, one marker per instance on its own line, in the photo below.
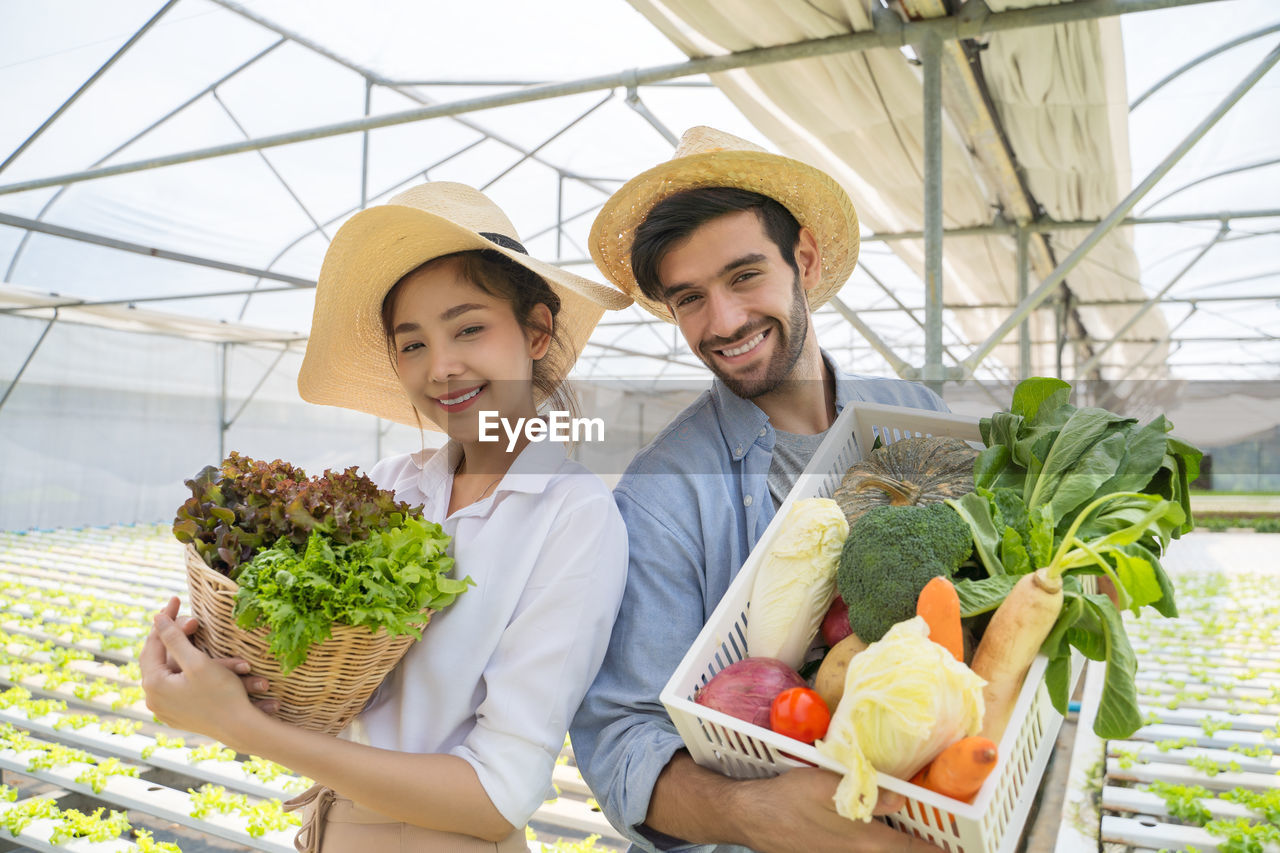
point(1058, 92)
point(1058, 95)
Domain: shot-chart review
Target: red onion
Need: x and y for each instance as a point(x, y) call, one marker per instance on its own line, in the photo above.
point(747, 688)
point(835, 625)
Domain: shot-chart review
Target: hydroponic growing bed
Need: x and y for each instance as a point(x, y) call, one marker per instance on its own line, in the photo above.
point(1204, 772)
point(74, 608)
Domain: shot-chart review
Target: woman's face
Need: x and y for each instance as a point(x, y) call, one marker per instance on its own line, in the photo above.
point(460, 351)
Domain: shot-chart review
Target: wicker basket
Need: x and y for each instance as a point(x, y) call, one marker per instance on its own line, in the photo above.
point(323, 693)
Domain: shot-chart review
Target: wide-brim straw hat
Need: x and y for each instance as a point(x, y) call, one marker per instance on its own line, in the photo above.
point(707, 157)
point(347, 363)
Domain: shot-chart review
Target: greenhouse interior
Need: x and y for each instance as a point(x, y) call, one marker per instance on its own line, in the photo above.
point(1076, 190)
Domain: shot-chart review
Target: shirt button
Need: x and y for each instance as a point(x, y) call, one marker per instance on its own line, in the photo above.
point(763, 432)
point(746, 501)
point(738, 450)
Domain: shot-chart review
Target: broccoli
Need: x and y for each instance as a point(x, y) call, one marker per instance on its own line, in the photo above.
point(890, 554)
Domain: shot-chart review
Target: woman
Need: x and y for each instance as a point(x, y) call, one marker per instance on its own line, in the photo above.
point(429, 312)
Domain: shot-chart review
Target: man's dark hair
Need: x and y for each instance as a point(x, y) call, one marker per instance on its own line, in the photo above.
point(677, 216)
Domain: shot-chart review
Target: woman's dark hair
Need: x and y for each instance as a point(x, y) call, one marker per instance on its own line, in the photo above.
point(501, 277)
point(677, 216)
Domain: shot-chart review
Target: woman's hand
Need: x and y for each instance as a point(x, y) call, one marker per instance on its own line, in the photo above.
point(189, 690)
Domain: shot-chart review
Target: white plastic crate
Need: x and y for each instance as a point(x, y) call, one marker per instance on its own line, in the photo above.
point(993, 822)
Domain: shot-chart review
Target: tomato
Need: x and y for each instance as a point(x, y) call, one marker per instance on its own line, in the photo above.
point(799, 713)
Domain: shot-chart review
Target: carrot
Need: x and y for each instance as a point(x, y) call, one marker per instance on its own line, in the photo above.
point(939, 605)
point(1013, 638)
point(960, 769)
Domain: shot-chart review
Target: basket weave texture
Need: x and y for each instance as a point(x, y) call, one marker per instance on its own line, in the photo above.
point(323, 693)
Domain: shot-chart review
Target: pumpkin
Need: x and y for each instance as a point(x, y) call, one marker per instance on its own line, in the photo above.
point(913, 471)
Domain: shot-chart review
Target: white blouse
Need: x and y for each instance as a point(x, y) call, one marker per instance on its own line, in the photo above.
point(499, 673)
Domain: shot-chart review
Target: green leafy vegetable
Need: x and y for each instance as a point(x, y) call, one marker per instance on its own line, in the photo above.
point(1078, 491)
point(1184, 801)
point(386, 581)
point(246, 505)
point(311, 552)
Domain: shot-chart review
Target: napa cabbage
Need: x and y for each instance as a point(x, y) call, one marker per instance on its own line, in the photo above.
point(906, 698)
point(795, 581)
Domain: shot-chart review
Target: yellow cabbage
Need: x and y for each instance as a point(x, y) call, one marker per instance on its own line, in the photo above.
point(905, 700)
point(795, 582)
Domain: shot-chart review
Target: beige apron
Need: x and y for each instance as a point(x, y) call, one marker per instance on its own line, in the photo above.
point(333, 824)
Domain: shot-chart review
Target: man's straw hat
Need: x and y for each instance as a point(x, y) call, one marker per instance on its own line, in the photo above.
point(347, 363)
point(712, 158)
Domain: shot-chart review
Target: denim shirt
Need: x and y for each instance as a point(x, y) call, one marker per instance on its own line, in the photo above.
point(695, 501)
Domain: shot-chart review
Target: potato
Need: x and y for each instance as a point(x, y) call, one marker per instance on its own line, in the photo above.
point(829, 682)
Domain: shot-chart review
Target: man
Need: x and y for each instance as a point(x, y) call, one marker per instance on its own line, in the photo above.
point(736, 246)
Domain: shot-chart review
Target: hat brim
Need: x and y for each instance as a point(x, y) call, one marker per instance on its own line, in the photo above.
point(347, 363)
point(816, 200)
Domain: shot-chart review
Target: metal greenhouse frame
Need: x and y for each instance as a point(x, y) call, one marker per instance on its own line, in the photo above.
point(932, 39)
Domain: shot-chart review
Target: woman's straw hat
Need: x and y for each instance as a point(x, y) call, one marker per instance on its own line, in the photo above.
point(347, 363)
point(712, 158)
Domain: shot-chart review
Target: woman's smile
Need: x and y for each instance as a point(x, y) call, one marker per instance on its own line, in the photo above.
point(459, 401)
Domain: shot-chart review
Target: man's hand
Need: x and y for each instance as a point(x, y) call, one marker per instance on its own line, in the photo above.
point(782, 814)
point(796, 811)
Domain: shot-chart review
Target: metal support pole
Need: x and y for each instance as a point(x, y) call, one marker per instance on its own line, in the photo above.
point(400, 88)
point(349, 211)
point(528, 154)
point(910, 311)
point(1024, 331)
point(272, 169)
point(1178, 72)
point(84, 87)
point(529, 238)
point(899, 365)
point(1113, 218)
point(559, 214)
point(1096, 358)
point(1043, 225)
point(226, 424)
point(23, 369)
point(948, 27)
point(22, 244)
point(900, 306)
point(222, 401)
point(1141, 360)
point(642, 109)
point(931, 55)
point(126, 246)
point(133, 300)
point(364, 147)
point(1060, 332)
point(1261, 164)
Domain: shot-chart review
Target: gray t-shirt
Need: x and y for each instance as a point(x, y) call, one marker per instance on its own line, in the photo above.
point(791, 452)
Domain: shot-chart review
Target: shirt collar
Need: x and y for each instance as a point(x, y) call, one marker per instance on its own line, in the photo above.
point(530, 472)
point(742, 421)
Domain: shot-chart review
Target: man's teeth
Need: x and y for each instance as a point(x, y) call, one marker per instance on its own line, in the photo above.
point(747, 347)
point(455, 401)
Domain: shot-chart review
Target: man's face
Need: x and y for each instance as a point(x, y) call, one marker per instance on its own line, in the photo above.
point(739, 304)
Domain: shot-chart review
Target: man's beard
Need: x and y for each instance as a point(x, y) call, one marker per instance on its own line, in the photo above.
point(785, 356)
